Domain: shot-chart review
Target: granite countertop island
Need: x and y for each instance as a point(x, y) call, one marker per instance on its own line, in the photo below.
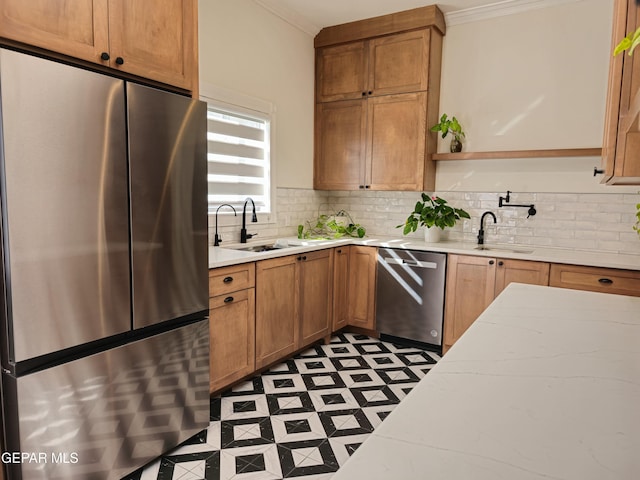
point(544, 385)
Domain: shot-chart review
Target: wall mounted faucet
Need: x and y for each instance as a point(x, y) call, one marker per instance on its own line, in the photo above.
point(244, 236)
point(217, 239)
point(504, 202)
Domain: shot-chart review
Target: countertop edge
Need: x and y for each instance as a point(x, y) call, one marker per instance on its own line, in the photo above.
point(228, 255)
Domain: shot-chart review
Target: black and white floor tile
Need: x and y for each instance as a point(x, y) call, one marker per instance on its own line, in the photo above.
point(302, 418)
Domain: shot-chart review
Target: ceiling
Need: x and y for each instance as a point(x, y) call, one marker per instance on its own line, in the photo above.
point(312, 15)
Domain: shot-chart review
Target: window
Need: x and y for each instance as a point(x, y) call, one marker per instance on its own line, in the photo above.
point(239, 163)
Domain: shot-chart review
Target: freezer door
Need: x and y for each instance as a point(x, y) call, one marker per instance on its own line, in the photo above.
point(102, 417)
point(168, 170)
point(64, 205)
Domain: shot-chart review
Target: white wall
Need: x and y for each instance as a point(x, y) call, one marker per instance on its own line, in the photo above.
point(528, 81)
point(248, 50)
point(532, 80)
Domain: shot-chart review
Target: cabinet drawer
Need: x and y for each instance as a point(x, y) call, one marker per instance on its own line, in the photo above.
point(231, 279)
point(595, 279)
point(232, 297)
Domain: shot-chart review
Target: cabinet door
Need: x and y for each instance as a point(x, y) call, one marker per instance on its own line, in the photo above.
point(396, 142)
point(399, 63)
point(315, 295)
point(520, 271)
point(157, 42)
point(340, 145)
point(621, 144)
point(362, 286)
point(77, 28)
point(340, 288)
point(277, 326)
point(341, 72)
point(470, 287)
point(232, 337)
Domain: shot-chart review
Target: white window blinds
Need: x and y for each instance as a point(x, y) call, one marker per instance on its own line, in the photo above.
point(238, 158)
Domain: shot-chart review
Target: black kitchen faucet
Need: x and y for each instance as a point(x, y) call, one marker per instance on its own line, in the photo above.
point(481, 231)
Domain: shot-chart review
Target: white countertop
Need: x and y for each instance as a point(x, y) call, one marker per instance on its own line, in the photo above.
point(223, 255)
point(544, 385)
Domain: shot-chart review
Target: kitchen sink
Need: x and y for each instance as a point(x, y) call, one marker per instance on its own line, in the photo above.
point(258, 248)
point(503, 249)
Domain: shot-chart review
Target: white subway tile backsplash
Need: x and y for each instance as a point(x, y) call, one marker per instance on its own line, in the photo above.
point(571, 220)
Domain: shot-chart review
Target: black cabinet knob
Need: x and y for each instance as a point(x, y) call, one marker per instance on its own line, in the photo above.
point(605, 281)
point(228, 279)
point(491, 262)
point(299, 258)
point(304, 257)
point(367, 186)
point(228, 300)
point(104, 56)
point(500, 263)
point(597, 171)
point(364, 94)
point(119, 60)
point(370, 92)
point(339, 250)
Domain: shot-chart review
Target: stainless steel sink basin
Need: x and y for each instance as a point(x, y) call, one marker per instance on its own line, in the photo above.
point(258, 248)
point(503, 249)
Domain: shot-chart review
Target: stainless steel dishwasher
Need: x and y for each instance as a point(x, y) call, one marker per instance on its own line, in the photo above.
point(410, 295)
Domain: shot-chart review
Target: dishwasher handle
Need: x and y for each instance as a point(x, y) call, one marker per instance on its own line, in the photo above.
point(410, 262)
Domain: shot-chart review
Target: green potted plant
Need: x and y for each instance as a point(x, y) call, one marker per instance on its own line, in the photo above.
point(337, 225)
point(452, 126)
point(435, 214)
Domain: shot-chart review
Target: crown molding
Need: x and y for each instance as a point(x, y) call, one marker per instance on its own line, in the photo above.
point(289, 16)
point(499, 9)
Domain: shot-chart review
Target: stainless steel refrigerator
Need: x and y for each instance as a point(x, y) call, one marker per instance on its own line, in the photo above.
point(104, 328)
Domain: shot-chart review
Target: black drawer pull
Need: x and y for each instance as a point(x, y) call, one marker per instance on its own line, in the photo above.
point(606, 281)
point(228, 279)
point(228, 300)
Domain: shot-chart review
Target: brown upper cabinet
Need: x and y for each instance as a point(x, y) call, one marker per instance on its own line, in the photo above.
point(621, 145)
point(377, 92)
point(381, 66)
point(158, 43)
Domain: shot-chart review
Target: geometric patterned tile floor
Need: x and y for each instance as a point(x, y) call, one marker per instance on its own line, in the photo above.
point(302, 418)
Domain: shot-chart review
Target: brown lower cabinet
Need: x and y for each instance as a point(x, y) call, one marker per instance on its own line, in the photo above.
point(340, 288)
point(231, 324)
point(262, 312)
point(354, 287)
point(232, 339)
point(595, 279)
point(472, 284)
point(293, 303)
point(362, 287)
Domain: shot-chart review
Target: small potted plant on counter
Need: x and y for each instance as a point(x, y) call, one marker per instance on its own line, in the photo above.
point(337, 225)
point(452, 126)
point(435, 214)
